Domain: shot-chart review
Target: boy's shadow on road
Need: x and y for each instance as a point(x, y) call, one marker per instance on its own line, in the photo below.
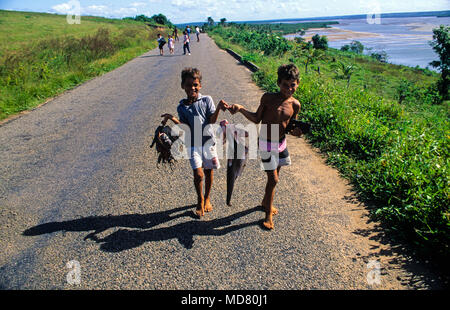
point(135, 229)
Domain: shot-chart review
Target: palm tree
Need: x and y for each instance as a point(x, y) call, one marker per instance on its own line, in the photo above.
point(210, 21)
point(346, 70)
point(312, 54)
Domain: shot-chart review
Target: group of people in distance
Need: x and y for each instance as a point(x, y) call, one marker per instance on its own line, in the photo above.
point(275, 109)
point(174, 37)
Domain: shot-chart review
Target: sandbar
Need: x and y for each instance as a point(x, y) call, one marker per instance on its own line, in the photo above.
point(338, 34)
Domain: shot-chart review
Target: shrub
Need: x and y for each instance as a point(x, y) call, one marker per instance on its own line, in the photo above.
point(407, 92)
point(269, 44)
point(441, 45)
point(320, 42)
point(381, 56)
point(345, 48)
point(356, 47)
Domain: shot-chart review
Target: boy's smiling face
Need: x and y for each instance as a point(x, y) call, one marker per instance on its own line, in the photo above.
point(288, 87)
point(192, 87)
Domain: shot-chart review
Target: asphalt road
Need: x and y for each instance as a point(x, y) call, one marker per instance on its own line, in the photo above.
point(78, 182)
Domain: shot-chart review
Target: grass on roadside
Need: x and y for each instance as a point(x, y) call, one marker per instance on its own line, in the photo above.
point(53, 56)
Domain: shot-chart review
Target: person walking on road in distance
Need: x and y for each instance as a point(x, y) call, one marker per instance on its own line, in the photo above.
point(188, 31)
point(175, 34)
point(275, 111)
point(161, 42)
point(171, 44)
point(197, 111)
point(186, 43)
point(197, 32)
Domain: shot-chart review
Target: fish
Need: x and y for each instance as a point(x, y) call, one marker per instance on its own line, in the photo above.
point(163, 139)
point(235, 167)
point(237, 162)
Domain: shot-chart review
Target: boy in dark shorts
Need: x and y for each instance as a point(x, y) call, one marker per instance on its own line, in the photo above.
point(274, 112)
point(161, 42)
point(197, 111)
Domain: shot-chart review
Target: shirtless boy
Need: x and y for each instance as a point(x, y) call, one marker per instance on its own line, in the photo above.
point(274, 112)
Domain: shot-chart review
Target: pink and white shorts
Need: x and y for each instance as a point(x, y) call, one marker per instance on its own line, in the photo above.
point(201, 157)
point(273, 154)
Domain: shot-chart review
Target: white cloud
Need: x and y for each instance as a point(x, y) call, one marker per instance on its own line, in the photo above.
point(98, 8)
point(122, 12)
point(138, 4)
point(102, 10)
point(63, 8)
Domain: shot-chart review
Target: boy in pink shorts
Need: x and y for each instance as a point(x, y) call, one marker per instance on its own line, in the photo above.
point(274, 112)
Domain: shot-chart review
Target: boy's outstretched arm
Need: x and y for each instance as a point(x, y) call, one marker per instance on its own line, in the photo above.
point(168, 116)
point(221, 106)
point(254, 117)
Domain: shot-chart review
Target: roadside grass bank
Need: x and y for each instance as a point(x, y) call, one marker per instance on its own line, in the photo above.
point(41, 55)
point(380, 128)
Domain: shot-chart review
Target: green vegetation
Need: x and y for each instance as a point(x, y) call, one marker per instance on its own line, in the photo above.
point(355, 47)
point(283, 28)
point(378, 123)
point(257, 40)
point(155, 20)
point(275, 28)
point(441, 45)
point(345, 71)
point(319, 42)
point(41, 55)
point(210, 22)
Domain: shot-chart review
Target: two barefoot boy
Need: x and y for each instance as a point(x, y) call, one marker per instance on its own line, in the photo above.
point(274, 113)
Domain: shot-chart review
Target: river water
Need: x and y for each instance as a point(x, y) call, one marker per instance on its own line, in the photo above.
point(405, 40)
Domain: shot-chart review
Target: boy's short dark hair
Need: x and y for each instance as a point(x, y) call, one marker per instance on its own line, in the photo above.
point(288, 72)
point(193, 73)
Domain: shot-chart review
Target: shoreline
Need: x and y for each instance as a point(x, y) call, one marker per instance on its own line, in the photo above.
point(334, 34)
point(395, 44)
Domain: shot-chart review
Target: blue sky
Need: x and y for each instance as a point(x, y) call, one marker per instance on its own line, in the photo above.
point(183, 11)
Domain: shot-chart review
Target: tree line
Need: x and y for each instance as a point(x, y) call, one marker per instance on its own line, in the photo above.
point(160, 19)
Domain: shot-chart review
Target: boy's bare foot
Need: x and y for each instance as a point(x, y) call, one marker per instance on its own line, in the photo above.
point(268, 223)
point(200, 210)
point(208, 206)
